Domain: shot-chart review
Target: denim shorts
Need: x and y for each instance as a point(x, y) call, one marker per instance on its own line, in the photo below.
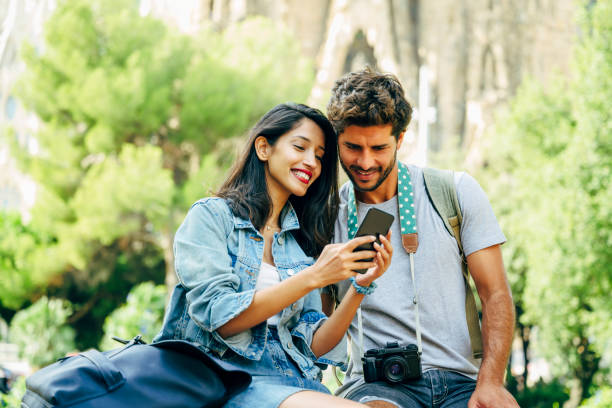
point(435, 388)
point(275, 377)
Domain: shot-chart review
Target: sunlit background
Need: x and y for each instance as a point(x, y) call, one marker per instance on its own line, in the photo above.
point(115, 115)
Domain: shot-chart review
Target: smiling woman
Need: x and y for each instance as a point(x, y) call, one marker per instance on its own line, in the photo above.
point(248, 290)
point(294, 162)
point(285, 129)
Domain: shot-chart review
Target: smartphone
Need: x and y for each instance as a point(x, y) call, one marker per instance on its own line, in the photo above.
point(376, 222)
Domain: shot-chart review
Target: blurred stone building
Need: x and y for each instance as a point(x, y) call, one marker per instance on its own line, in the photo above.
point(458, 60)
point(20, 20)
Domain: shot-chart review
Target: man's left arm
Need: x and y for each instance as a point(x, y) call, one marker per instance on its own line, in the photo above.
point(487, 269)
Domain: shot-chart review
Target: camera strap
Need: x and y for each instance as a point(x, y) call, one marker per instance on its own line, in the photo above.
point(415, 301)
point(406, 210)
point(410, 241)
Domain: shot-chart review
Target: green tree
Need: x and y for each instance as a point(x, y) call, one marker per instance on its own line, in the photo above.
point(142, 314)
point(553, 164)
point(601, 399)
point(20, 262)
point(132, 118)
point(41, 332)
point(13, 398)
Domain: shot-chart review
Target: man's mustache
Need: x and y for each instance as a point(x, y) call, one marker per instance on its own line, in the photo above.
point(357, 168)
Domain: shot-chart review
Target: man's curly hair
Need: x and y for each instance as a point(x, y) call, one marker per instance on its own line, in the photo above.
point(369, 98)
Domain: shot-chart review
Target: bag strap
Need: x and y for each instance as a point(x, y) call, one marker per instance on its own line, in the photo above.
point(113, 378)
point(440, 186)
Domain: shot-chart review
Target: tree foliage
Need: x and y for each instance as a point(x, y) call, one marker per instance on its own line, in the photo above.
point(142, 314)
point(601, 399)
point(13, 398)
point(541, 395)
point(41, 332)
point(22, 265)
point(552, 162)
point(132, 118)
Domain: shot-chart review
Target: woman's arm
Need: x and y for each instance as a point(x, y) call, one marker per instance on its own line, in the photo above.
point(337, 262)
point(331, 332)
point(268, 302)
point(204, 266)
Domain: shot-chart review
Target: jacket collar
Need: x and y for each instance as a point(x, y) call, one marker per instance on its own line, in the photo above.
point(288, 216)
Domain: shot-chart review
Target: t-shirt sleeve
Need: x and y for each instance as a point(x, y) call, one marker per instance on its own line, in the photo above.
point(479, 228)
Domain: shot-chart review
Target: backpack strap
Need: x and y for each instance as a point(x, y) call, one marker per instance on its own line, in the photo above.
point(112, 376)
point(440, 186)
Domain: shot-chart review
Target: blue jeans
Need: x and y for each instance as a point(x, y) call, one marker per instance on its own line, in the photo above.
point(435, 389)
point(275, 377)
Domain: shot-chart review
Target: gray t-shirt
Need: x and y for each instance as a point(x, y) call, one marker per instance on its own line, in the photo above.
point(389, 313)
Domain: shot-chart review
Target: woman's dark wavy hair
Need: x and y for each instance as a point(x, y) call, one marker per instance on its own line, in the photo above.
point(246, 191)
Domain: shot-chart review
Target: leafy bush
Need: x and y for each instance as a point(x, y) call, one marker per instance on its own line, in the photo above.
point(141, 314)
point(13, 398)
point(543, 395)
point(22, 263)
point(41, 332)
point(601, 399)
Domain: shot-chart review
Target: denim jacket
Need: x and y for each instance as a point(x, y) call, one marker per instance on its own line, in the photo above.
point(217, 260)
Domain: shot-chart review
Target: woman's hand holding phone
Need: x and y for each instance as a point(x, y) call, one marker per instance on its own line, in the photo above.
point(338, 262)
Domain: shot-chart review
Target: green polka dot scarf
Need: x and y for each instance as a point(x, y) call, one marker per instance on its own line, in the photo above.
point(406, 211)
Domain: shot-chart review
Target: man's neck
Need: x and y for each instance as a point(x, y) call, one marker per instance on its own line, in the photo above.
point(386, 191)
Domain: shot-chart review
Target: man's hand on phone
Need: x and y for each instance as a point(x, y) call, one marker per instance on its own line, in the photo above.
point(384, 252)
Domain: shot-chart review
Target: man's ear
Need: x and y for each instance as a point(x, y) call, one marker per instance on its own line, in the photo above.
point(400, 139)
point(262, 148)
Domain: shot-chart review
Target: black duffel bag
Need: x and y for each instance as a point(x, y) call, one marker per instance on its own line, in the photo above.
point(170, 373)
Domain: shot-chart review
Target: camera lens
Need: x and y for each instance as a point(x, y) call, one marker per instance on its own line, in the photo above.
point(395, 369)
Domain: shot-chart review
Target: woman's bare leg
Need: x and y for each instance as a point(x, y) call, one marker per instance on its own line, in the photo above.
point(309, 399)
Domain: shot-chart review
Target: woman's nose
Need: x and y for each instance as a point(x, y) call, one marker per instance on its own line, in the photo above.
point(310, 160)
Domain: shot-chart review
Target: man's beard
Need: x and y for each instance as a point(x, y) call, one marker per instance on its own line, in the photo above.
point(382, 178)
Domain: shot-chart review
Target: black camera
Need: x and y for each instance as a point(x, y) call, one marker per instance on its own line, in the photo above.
point(393, 363)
